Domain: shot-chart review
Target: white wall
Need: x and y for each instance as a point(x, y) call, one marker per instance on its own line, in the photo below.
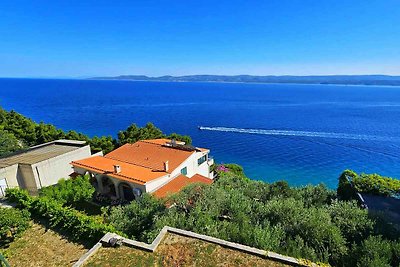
point(155, 184)
point(50, 171)
point(10, 173)
point(193, 167)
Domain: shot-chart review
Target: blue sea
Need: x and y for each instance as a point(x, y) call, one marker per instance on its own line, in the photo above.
point(305, 134)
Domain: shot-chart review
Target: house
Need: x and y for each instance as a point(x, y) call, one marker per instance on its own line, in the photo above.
point(158, 166)
point(41, 165)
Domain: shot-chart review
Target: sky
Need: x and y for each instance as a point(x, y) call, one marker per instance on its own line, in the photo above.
point(284, 37)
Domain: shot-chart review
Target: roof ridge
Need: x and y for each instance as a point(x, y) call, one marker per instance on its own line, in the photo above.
point(127, 162)
point(149, 141)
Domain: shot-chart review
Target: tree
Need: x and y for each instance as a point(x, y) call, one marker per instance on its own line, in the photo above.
point(138, 217)
point(8, 143)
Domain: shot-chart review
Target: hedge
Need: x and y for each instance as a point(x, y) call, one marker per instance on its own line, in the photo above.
point(79, 225)
point(351, 182)
point(13, 223)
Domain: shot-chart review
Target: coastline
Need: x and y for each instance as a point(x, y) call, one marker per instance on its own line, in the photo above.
point(223, 82)
point(328, 84)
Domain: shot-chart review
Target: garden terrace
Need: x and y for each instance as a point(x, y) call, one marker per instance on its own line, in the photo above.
point(39, 246)
point(175, 247)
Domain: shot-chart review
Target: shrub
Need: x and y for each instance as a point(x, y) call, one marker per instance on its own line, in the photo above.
point(396, 253)
point(20, 197)
point(138, 217)
point(229, 168)
point(318, 195)
point(374, 251)
point(79, 225)
point(376, 184)
point(70, 191)
point(323, 241)
point(13, 222)
point(350, 182)
point(353, 221)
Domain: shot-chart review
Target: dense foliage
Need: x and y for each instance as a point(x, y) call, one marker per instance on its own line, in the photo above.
point(18, 132)
point(351, 182)
point(79, 225)
point(306, 222)
point(134, 133)
point(137, 217)
point(13, 222)
point(70, 191)
point(8, 143)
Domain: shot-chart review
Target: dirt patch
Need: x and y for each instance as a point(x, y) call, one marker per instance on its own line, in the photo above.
point(176, 250)
point(43, 247)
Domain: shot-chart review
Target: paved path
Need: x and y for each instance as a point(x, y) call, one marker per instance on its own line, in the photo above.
point(5, 204)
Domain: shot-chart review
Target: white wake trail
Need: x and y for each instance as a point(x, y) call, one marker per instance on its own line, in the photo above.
point(296, 133)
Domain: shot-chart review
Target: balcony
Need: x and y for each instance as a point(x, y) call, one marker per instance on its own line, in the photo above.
point(210, 161)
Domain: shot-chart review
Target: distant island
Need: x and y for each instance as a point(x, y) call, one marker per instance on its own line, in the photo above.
point(328, 79)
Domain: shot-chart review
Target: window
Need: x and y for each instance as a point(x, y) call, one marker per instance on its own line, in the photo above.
point(184, 171)
point(202, 160)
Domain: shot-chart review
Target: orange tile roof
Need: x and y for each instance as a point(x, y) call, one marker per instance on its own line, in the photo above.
point(129, 172)
point(161, 141)
point(178, 183)
point(140, 162)
point(150, 154)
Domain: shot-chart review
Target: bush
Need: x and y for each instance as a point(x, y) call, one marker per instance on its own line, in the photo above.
point(70, 191)
point(80, 226)
point(321, 241)
point(229, 168)
point(13, 223)
point(353, 221)
point(374, 251)
point(138, 217)
point(366, 183)
point(376, 184)
point(318, 195)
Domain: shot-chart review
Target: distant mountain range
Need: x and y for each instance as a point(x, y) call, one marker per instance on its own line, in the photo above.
point(328, 79)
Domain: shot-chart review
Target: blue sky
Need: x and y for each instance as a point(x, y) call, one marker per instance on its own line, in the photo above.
point(94, 38)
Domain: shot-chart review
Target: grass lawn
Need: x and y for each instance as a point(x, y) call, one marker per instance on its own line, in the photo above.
point(43, 247)
point(176, 250)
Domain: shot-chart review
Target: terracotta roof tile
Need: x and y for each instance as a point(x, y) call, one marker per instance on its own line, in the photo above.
point(150, 154)
point(129, 172)
point(140, 162)
point(178, 183)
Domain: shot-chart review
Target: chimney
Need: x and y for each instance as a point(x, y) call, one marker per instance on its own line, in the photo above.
point(166, 166)
point(117, 168)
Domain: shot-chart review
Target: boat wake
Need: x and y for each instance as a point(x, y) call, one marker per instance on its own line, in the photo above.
point(297, 133)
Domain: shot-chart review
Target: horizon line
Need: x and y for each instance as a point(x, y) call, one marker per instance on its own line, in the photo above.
point(184, 75)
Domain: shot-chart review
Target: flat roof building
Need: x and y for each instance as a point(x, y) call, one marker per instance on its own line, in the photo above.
point(41, 165)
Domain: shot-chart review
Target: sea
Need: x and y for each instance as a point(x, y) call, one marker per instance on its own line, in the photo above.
point(304, 134)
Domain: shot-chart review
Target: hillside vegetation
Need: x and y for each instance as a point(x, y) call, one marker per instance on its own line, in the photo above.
point(18, 132)
point(304, 222)
point(308, 222)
